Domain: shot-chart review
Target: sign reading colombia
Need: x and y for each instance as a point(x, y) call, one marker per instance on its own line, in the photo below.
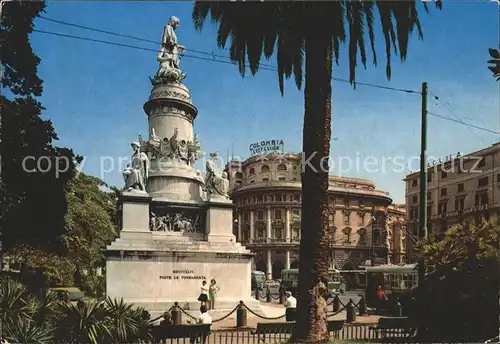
point(266, 146)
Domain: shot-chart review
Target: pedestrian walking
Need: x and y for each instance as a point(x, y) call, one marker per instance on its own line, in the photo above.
point(203, 298)
point(212, 293)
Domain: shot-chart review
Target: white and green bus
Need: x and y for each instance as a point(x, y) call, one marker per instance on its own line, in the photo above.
point(290, 279)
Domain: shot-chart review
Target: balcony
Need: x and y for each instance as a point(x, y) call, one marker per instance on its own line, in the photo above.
point(271, 241)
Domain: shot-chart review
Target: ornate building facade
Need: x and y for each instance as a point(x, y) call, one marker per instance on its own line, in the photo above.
point(461, 189)
point(266, 190)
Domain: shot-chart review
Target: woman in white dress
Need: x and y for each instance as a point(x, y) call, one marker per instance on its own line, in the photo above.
point(203, 298)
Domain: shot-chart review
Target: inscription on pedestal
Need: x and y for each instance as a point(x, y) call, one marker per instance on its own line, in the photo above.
point(182, 275)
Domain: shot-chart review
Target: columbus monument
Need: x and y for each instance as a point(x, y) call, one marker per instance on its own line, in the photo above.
point(176, 227)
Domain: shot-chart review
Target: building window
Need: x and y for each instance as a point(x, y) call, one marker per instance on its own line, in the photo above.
point(252, 171)
point(429, 195)
point(481, 199)
point(281, 167)
point(260, 199)
point(414, 182)
point(238, 175)
point(362, 236)
point(252, 181)
point(459, 203)
point(444, 192)
point(282, 179)
point(295, 215)
point(331, 220)
point(346, 218)
point(460, 187)
point(265, 179)
point(361, 219)
point(482, 162)
point(296, 198)
point(414, 199)
point(246, 216)
point(260, 215)
point(277, 233)
point(429, 210)
point(331, 234)
point(413, 213)
point(346, 204)
point(264, 169)
point(444, 174)
point(443, 208)
point(260, 233)
point(347, 235)
point(482, 182)
point(277, 214)
point(429, 177)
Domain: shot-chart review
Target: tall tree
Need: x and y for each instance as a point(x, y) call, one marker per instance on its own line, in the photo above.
point(34, 171)
point(314, 31)
point(495, 61)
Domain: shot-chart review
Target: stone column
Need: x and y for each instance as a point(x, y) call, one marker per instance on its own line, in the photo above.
point(239, 228)
point(269, 232)
point(252, 229)
point(287, 227)
point(269, 265)
point(287, 259)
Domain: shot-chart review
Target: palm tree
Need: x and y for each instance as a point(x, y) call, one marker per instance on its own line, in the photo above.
point(314, 31)
point(495, 67)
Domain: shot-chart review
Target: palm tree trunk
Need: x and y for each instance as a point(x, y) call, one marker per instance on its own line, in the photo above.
point(314, 256)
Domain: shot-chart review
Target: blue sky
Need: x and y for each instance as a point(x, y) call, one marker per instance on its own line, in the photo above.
point(94, 92)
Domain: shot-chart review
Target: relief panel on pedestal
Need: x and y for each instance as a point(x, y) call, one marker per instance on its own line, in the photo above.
point(180, 220)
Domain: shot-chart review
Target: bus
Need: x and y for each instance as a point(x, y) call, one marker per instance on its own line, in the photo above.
point(258, 280)
point(290, 279)
point(397, 281)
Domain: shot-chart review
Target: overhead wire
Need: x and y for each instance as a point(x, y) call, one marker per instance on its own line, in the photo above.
point(215, 56)
point(262, 66)
point(458, 119)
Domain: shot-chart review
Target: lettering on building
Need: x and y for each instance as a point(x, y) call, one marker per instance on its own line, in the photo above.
point(182, 275)
point(269, 146)
point(443, 160)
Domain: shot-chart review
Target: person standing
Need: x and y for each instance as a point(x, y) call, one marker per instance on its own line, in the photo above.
point(291, 306)
point(203, 298)
point(212, 293)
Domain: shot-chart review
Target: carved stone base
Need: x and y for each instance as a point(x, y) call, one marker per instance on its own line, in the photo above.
point(135, 211)
point(156, 279)
point(219, 221)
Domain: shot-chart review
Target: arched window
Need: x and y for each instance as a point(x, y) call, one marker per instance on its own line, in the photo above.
point(362, 236)
point(347, 235)
point(238, 175)
point(281, 167)
point(264, 169)
point(252, 171)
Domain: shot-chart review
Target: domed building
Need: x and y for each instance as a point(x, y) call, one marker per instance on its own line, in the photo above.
point(364, 225)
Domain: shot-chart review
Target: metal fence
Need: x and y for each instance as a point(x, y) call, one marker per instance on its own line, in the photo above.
point(356, 332)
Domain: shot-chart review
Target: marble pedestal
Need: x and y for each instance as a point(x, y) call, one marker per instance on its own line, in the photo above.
point(143, 271)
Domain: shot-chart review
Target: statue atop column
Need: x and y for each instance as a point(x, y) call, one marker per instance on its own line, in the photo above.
point(169, 55)
point(216, 181)
point(136, 174)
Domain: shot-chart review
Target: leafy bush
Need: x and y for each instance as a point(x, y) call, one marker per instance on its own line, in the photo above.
point(27, 319)
point(458, 300)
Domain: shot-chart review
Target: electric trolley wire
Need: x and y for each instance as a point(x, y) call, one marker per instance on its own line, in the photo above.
point(462, 122)
point(262, 66)
point(213, 59)
point(459, 120)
